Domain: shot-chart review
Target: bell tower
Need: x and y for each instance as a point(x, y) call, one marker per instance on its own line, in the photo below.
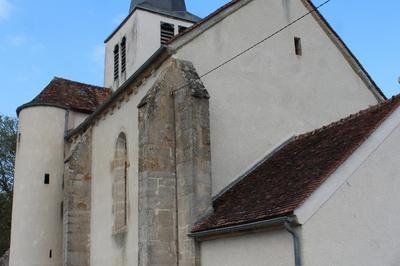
point(149, 24)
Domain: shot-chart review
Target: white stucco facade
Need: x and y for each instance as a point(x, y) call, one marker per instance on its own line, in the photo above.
point(106, 248)
point(269, 92)
point(75, 119)
point(37, 216)
point(358, 225)
point(143, 35)
point(271, 248)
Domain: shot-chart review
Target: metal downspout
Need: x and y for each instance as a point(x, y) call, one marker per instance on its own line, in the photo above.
point(296, 243)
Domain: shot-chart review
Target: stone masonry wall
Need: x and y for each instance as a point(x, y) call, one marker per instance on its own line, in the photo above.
point(157, 180)
point(193, 160)
point(174, 166)
point(77, 202)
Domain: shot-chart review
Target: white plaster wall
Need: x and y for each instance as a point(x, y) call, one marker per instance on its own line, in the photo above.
point(273, 248)
point(142, 31)
point(269, 92)
point(359, 225)
point(75, 119)
point(36, 219)
point(107, 250)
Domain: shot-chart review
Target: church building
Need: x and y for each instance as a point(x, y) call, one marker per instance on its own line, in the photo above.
point(251, 137)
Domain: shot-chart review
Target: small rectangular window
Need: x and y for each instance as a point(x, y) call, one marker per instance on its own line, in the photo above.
point(46, 179)
point(167, 32)
point(50, 253)
point(297, 46)
point(181, 29)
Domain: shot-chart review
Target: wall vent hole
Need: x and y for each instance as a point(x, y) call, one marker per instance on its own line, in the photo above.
point(297, 46)
point(46, 179)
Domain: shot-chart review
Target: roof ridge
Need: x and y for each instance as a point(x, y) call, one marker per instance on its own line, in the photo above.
point(350, 117)
point(78, 82)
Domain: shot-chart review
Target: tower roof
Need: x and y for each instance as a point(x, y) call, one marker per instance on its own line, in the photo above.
point(174, 8)
point(68, 94)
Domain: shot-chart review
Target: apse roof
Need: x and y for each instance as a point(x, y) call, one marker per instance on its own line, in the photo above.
point(68, 94)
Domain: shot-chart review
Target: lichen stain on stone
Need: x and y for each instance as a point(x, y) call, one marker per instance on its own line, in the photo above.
point(81, 205)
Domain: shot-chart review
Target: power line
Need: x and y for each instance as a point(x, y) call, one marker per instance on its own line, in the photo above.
point(256, 44)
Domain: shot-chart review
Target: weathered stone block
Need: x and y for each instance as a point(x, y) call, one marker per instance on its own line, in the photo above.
point(77, 202)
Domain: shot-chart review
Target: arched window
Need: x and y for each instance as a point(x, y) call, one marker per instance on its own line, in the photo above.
point(120, 185)
point(116, 62)
point(123, 55)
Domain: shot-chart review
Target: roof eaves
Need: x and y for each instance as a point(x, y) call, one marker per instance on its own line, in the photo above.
point(290, 218)
point(32, 104)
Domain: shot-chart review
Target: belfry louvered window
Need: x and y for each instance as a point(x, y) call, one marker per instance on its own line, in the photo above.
point(123, 55)
point(167, 32)
point(116, 62)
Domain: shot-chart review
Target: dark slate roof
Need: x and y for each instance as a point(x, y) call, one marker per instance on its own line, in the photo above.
point(280, 184)
point(171, 5)
point(174, 8)
point(70, 94)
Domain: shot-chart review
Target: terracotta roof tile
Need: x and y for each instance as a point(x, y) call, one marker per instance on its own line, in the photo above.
point(72, 95)
point(280, 184)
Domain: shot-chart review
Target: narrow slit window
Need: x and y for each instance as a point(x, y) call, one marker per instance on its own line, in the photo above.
point(167, 32)
point(50, 253)
point(18, 141)
point(297, 46)
point(123, 55)
point(46, 179)
point(116, 62)
point(181, 29)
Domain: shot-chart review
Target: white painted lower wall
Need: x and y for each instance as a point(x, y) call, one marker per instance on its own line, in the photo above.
point(37, 217)
point(106, 249)
point(271, 248)
point(359, 224)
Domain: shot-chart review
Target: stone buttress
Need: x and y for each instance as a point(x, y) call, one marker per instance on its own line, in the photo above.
point(77, 201)
point(174, 166)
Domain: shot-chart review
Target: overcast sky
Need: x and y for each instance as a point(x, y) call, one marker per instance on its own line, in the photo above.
point(40, 39)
